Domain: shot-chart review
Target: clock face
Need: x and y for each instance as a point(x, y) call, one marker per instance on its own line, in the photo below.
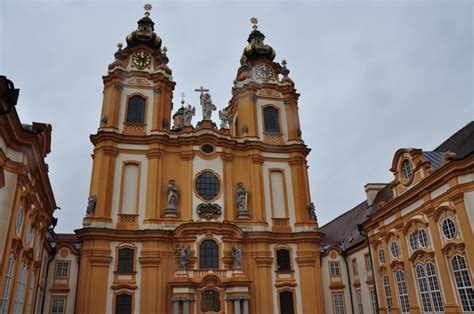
point(141, 59)
point(263, 71)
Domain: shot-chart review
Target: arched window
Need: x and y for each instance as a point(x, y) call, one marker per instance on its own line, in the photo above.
point(136, 109)
point(20, 289)
point(463, 283)
point(123, 304)
point(286, 303)
point(428, 286)
point(271, 120)
point(283, 260)
point(208, 255)
point(125, 260)
point(402, 291)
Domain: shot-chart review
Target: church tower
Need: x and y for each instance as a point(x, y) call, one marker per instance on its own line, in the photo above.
point(200, 218)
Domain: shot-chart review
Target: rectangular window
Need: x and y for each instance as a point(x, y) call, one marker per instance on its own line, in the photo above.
point(402, 291)
point(7, 285)
point(62, 269)
point(355, 269)
point(368, 262)
point(123, 304)
point(373, 300)
point(463, 282)
point(359, 302)
point(58, 305)
point(125, 260)
point(334, 269)
point(278, 194)
point(388, 294)
point(338, 303)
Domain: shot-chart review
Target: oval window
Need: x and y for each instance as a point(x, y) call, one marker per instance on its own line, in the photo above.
point(207, 148)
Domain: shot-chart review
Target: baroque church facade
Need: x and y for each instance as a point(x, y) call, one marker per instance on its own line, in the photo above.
point(204, 218)
point(191, 217)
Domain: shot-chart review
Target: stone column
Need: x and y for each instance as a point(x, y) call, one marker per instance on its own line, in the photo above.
point(236, 305)
point(186, 306)
point(175, 305)
point(245, 305)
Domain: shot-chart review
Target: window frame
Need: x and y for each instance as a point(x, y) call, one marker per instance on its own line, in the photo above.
point(204, 258)
point(21, 284)
point(336, 307)
point(407, 172)
point(276, 109)
point(119, 265)
point(290, 266)
point(355, 267)
point(360, 305)
point(20, 218)
point(431, 297)
point(463, 274)
point(332, 270)
point(195, 185)
point(387, 292)
point(381, 255)
point(58, 297)
point(129, 97)
point(123, 293)
point(7, 285)
point(452, 220)
point(392, 243)
point(57, 269)
point(293, 300)
point(402, 291)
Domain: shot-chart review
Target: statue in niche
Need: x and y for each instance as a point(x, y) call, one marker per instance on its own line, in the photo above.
point(312, 212)
point(237, 255)
point(207, 106)
point(189, 112)
point(172, 198)
point(91, 202)
point(224, 115)
point(241, 196)
point(183, 252)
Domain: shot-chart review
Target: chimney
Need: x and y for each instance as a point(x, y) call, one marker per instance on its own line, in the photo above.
point(372, 189)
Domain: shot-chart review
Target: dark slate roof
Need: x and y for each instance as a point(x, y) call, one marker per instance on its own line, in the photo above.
point(343, 229)
point(384, 195)
point(461, 142)
point(436, 158)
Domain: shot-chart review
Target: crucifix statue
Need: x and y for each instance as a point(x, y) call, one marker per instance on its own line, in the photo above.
point(206, 103)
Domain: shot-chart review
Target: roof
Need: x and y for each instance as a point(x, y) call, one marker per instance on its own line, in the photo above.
point(436, 158)
point(461, 142)
point(344, 228)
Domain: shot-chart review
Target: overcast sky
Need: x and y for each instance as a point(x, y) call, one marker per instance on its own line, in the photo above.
point(374, 76)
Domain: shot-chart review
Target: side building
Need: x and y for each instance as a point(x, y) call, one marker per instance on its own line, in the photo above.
point(26, 206)
point(408, 248)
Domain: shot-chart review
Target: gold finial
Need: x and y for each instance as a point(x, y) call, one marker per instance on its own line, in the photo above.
point(119, 45)
point(283, 62)
point(254, 21)
point(164, 49)
point(147, 9)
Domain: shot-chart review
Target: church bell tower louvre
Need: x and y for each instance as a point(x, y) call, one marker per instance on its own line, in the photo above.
point(201, 217)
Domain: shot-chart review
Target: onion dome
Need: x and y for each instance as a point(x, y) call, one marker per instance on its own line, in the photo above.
point(256, 49)
point(145, 35)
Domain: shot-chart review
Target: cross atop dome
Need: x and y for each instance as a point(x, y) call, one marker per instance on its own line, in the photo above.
point(254, 21)
point(147, 8)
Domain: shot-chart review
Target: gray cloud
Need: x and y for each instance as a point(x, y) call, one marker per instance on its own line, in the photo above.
point(373, 77)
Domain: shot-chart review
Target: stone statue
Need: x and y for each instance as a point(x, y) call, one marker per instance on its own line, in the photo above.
point(189, 112)
point(183, 253)
point(207, 106)
point(172, 198)
point(237, 255)
point(224, 115)
point(312, 212)
point(91, 202)
point(241, 200)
